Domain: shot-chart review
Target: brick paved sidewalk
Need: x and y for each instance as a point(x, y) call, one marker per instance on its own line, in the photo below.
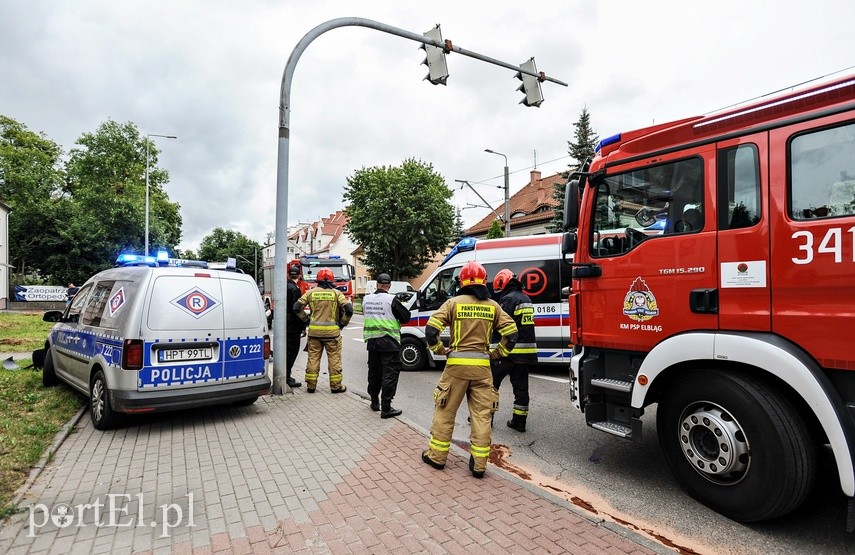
point(292, 474)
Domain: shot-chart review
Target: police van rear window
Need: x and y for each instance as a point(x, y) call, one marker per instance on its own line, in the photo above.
point(182, 302)
point(240, 312)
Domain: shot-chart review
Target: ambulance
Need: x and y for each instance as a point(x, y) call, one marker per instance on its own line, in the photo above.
point(155, 334)
point(536, 259)
point(713, 263)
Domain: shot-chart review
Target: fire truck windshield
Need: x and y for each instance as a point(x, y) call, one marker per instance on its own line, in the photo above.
point(339, 268)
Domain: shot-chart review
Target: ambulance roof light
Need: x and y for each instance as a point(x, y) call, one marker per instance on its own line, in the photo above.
point(129, 259)
point(465, 244)
point(231, 264)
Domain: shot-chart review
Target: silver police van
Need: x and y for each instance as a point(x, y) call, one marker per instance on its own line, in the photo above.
point(160, 334)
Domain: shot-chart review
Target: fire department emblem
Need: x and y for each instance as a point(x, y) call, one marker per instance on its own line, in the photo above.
point(639, 303)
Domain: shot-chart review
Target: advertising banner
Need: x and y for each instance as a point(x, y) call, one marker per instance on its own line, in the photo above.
point(40, 293)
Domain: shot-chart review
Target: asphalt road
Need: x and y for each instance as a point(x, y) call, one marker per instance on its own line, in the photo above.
point(626, 481)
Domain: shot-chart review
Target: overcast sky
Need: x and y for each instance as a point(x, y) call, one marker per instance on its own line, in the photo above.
point(209, 71)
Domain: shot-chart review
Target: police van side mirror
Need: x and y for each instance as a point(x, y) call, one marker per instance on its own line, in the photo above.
point(52, 316)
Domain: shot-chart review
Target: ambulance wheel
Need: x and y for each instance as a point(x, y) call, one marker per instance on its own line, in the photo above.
point(737, 445)
point(413, 354)
point(49, 378)
point(100, 410)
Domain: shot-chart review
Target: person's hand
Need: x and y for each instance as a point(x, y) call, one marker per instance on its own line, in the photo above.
point(303, 333)
point(495, 355)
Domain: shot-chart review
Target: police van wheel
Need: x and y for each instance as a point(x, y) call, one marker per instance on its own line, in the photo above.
point(100, 410)
point(413, 354)
point(737, 445)
point(49, 378)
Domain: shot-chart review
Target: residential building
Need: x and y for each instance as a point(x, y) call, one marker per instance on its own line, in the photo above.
point(532, 208)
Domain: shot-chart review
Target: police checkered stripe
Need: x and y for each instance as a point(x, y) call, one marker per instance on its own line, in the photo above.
point(183, 382)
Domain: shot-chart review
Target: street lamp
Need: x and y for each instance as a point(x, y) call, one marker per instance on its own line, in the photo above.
point(507, 187)
point(147, 137)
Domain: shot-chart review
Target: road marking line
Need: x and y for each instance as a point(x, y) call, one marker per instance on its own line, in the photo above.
point(550, 378)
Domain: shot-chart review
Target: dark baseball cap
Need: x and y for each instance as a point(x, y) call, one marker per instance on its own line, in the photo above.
point(384, 278)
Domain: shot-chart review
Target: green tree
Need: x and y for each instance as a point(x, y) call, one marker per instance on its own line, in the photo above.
point(459, 232)
point(495, 231)
point(31, 180)
point(402, 217)
point(224, 243)
point(580, 150)
point(106, 181)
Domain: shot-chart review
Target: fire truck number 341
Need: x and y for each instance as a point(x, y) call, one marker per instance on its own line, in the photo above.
point(832, 243)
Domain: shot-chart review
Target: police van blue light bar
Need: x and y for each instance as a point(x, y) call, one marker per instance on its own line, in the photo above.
point(128, 259)
point(322, 256)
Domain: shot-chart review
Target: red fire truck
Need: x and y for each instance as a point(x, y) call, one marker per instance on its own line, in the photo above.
point(713, 274)
point(343, 272)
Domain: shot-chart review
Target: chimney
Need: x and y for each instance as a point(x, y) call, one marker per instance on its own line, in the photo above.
point(535, 176)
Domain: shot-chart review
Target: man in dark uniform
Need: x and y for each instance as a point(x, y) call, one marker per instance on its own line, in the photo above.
point(295, 328)
point(518, 305)
point(384, 315)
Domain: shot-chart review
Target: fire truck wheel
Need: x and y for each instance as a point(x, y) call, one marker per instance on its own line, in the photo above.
point(736, 444)
point(413, 354)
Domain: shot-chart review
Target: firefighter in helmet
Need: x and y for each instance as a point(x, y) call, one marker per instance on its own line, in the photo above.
point(518, 305)
point(471, 315)
point(329, 312)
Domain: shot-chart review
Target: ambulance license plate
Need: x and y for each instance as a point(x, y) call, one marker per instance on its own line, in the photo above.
point(184, 355)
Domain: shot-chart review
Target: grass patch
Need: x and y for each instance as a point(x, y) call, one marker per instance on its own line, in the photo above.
point(22, 332)
point(31, 417)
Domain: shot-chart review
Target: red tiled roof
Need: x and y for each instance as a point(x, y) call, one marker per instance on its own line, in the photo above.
point(537, 195)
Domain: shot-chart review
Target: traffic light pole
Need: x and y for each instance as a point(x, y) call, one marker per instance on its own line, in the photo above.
point(280, 286)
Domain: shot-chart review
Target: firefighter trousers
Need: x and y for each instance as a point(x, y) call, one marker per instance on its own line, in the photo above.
point(518, 372)
point(483, 400)
point(316, 346)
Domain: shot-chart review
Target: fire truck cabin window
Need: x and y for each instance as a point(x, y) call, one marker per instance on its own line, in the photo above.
point(648, 203)
point(822, 173)
point(739, 182)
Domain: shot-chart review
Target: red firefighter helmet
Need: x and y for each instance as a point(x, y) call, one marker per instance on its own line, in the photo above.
point(501, 280)
point(473, 273)
point(294, 268)
point(325, 274)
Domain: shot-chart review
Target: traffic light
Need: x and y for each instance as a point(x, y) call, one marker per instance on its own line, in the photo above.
point(435, 59)
point(530, 85)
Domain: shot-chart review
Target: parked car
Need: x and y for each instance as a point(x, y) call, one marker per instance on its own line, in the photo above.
point(157, 334)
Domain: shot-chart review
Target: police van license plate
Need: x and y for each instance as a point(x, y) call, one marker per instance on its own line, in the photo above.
point(184, 355)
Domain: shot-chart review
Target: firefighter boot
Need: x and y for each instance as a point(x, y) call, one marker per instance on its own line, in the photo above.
point(375, 402)
point(387, 411)
point(517, 422)
point(476, 473)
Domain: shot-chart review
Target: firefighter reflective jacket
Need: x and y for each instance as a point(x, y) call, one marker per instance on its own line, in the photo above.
point(472, 322)
point(518, 305)
point(329, 311)
point(384, 315)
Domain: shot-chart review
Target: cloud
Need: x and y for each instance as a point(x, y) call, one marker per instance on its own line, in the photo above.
point(210, 73)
